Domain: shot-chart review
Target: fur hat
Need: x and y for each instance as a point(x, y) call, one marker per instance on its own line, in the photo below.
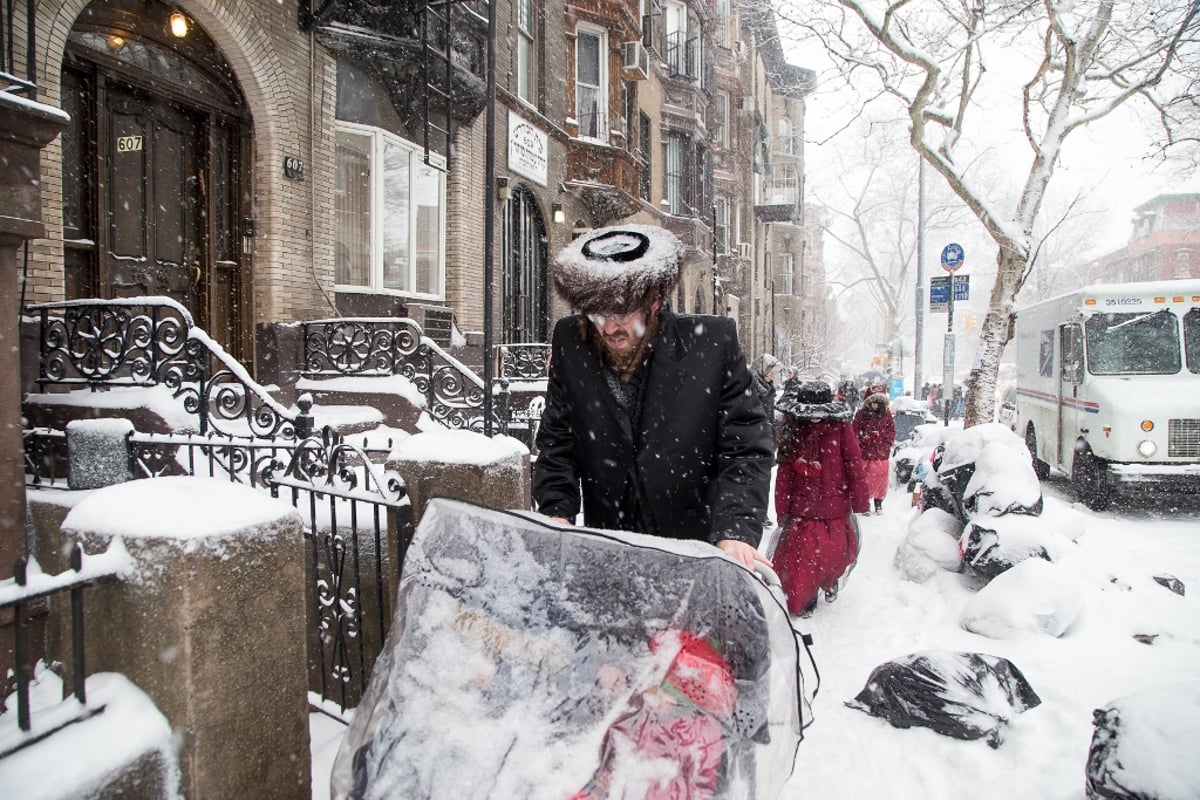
point(766, 363)
point(618, 269)
point(811, 400)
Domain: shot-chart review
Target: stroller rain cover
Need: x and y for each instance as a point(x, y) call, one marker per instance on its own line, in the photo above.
point(535, 660)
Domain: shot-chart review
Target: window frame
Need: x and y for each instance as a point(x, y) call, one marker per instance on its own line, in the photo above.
point(601, 35)
point(379, 138)
point(526, 67)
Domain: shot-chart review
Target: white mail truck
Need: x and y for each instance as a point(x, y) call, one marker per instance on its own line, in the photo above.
point(1108, 388)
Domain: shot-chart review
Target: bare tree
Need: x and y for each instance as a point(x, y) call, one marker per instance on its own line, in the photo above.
point(871, 205)
point(1079, 61)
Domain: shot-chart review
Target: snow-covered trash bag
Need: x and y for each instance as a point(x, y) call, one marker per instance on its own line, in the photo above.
point(1144, 746)
point(991, 545)
point(984, 470)
point(528, 659)
point(930, 547)
point(1033, 598)
point(957, 694)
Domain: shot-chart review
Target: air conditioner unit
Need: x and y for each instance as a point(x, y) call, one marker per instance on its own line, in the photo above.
point(635, 61)
point(745, 250)
point(746, 107)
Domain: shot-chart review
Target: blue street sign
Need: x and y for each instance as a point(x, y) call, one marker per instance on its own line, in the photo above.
point(939, 291)
point(952, 257)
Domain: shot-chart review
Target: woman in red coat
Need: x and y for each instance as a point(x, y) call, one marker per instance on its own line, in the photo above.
point(819, 484)
point(876, 431)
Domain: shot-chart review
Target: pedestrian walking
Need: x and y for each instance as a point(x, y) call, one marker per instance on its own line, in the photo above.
point(876, 432)
point(819, 485)
point(764, 384)
point(652, 423)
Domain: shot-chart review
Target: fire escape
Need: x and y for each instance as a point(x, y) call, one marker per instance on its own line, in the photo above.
point(438, 47)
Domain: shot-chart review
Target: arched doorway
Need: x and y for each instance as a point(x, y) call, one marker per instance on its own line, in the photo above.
point(156, 166)
point(524, 270)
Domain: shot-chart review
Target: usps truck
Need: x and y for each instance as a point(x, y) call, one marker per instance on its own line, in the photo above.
point(1108, 388)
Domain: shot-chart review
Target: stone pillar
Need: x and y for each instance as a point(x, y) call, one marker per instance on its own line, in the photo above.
point(25, 128)
point(210, 624)
point(463, 465)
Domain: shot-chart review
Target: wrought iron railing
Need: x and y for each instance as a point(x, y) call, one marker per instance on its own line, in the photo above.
point(152, 341)
point(357, 524)
point(27, 588)
point(380, 346)
point(523, 361)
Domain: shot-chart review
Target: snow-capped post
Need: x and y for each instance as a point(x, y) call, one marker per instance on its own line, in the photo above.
point(462, 465)
point(210, 623)
point(98, 453)
point(305, 423)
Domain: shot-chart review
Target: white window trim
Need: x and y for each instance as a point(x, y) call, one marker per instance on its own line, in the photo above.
point(603, 89)
point(378, 137)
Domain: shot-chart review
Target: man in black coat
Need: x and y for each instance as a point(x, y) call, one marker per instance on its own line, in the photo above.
point(651, 417)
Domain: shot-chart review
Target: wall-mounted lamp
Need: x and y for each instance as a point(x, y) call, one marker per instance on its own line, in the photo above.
point(179, 25)
point(557, 214)
point(503, 192)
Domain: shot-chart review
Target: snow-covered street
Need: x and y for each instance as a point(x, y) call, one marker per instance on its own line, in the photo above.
point(879, 616)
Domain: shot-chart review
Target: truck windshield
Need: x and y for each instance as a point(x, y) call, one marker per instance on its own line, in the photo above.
point(1139, 343)
point(1191, 339)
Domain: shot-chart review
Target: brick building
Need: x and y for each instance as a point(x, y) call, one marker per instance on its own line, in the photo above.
point(269, 162)
point(1164, 243)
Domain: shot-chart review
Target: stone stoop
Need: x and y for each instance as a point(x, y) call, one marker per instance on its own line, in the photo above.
point(352, 405)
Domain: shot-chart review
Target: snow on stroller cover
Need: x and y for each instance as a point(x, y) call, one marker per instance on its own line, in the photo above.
point(528, 659)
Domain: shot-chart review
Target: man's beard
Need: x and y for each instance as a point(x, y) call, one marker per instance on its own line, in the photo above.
point(624, 362)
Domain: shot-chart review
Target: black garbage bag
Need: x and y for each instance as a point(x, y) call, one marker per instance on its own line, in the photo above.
point(996, 544)
point(963, 695)
point(1144, 744)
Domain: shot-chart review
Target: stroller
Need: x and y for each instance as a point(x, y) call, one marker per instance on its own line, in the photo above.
point(528, 659)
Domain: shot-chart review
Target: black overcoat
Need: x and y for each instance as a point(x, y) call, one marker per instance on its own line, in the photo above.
point(701, 460)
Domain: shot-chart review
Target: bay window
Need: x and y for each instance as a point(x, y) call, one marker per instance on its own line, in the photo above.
point(389, 215)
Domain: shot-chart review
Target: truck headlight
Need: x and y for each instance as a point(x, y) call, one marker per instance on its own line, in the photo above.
point(1147, 448)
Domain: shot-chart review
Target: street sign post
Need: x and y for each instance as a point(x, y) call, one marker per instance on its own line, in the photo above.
point(953, 257)
point(939, 291)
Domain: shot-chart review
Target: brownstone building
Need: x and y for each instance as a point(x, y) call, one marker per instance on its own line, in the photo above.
point(1164, 243)
point(267, 162)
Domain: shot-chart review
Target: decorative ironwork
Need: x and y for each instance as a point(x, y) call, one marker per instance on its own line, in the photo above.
point(151, 341)
point(334, 480)
point(372, 347)
point(524, 361)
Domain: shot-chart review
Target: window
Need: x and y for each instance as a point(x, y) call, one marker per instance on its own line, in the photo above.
point(644, 153)
point(722, 22)
point(527, 63)
point(720, 130)
point(591, 80)
point(721, 232)
point(787, 273)
point(389, 211)
point(1136, 343)
point(680, 56)
point(785, 184)
point(786, 141)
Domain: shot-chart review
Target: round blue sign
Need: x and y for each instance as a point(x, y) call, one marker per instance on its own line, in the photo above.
point(952, 257)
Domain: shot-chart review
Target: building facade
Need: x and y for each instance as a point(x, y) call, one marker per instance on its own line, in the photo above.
point(1163, 245)
point(267, 162)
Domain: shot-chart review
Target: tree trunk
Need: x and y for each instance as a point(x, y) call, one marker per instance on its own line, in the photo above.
point(997, 330)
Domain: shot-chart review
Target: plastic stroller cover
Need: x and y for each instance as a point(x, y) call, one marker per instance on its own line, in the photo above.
point(964, 695)
point(528, 659)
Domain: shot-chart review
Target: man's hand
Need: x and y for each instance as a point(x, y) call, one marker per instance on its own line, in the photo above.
point(741, 552)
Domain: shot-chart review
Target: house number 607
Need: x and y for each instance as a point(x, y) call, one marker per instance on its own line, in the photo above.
point(129, 144)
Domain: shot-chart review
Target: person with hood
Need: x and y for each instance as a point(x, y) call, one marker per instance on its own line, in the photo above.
point(876, 431)
point(651, 423)
point(819, 485)
point(764, 384)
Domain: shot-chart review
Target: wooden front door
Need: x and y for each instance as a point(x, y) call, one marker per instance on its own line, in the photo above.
point(153, 187)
